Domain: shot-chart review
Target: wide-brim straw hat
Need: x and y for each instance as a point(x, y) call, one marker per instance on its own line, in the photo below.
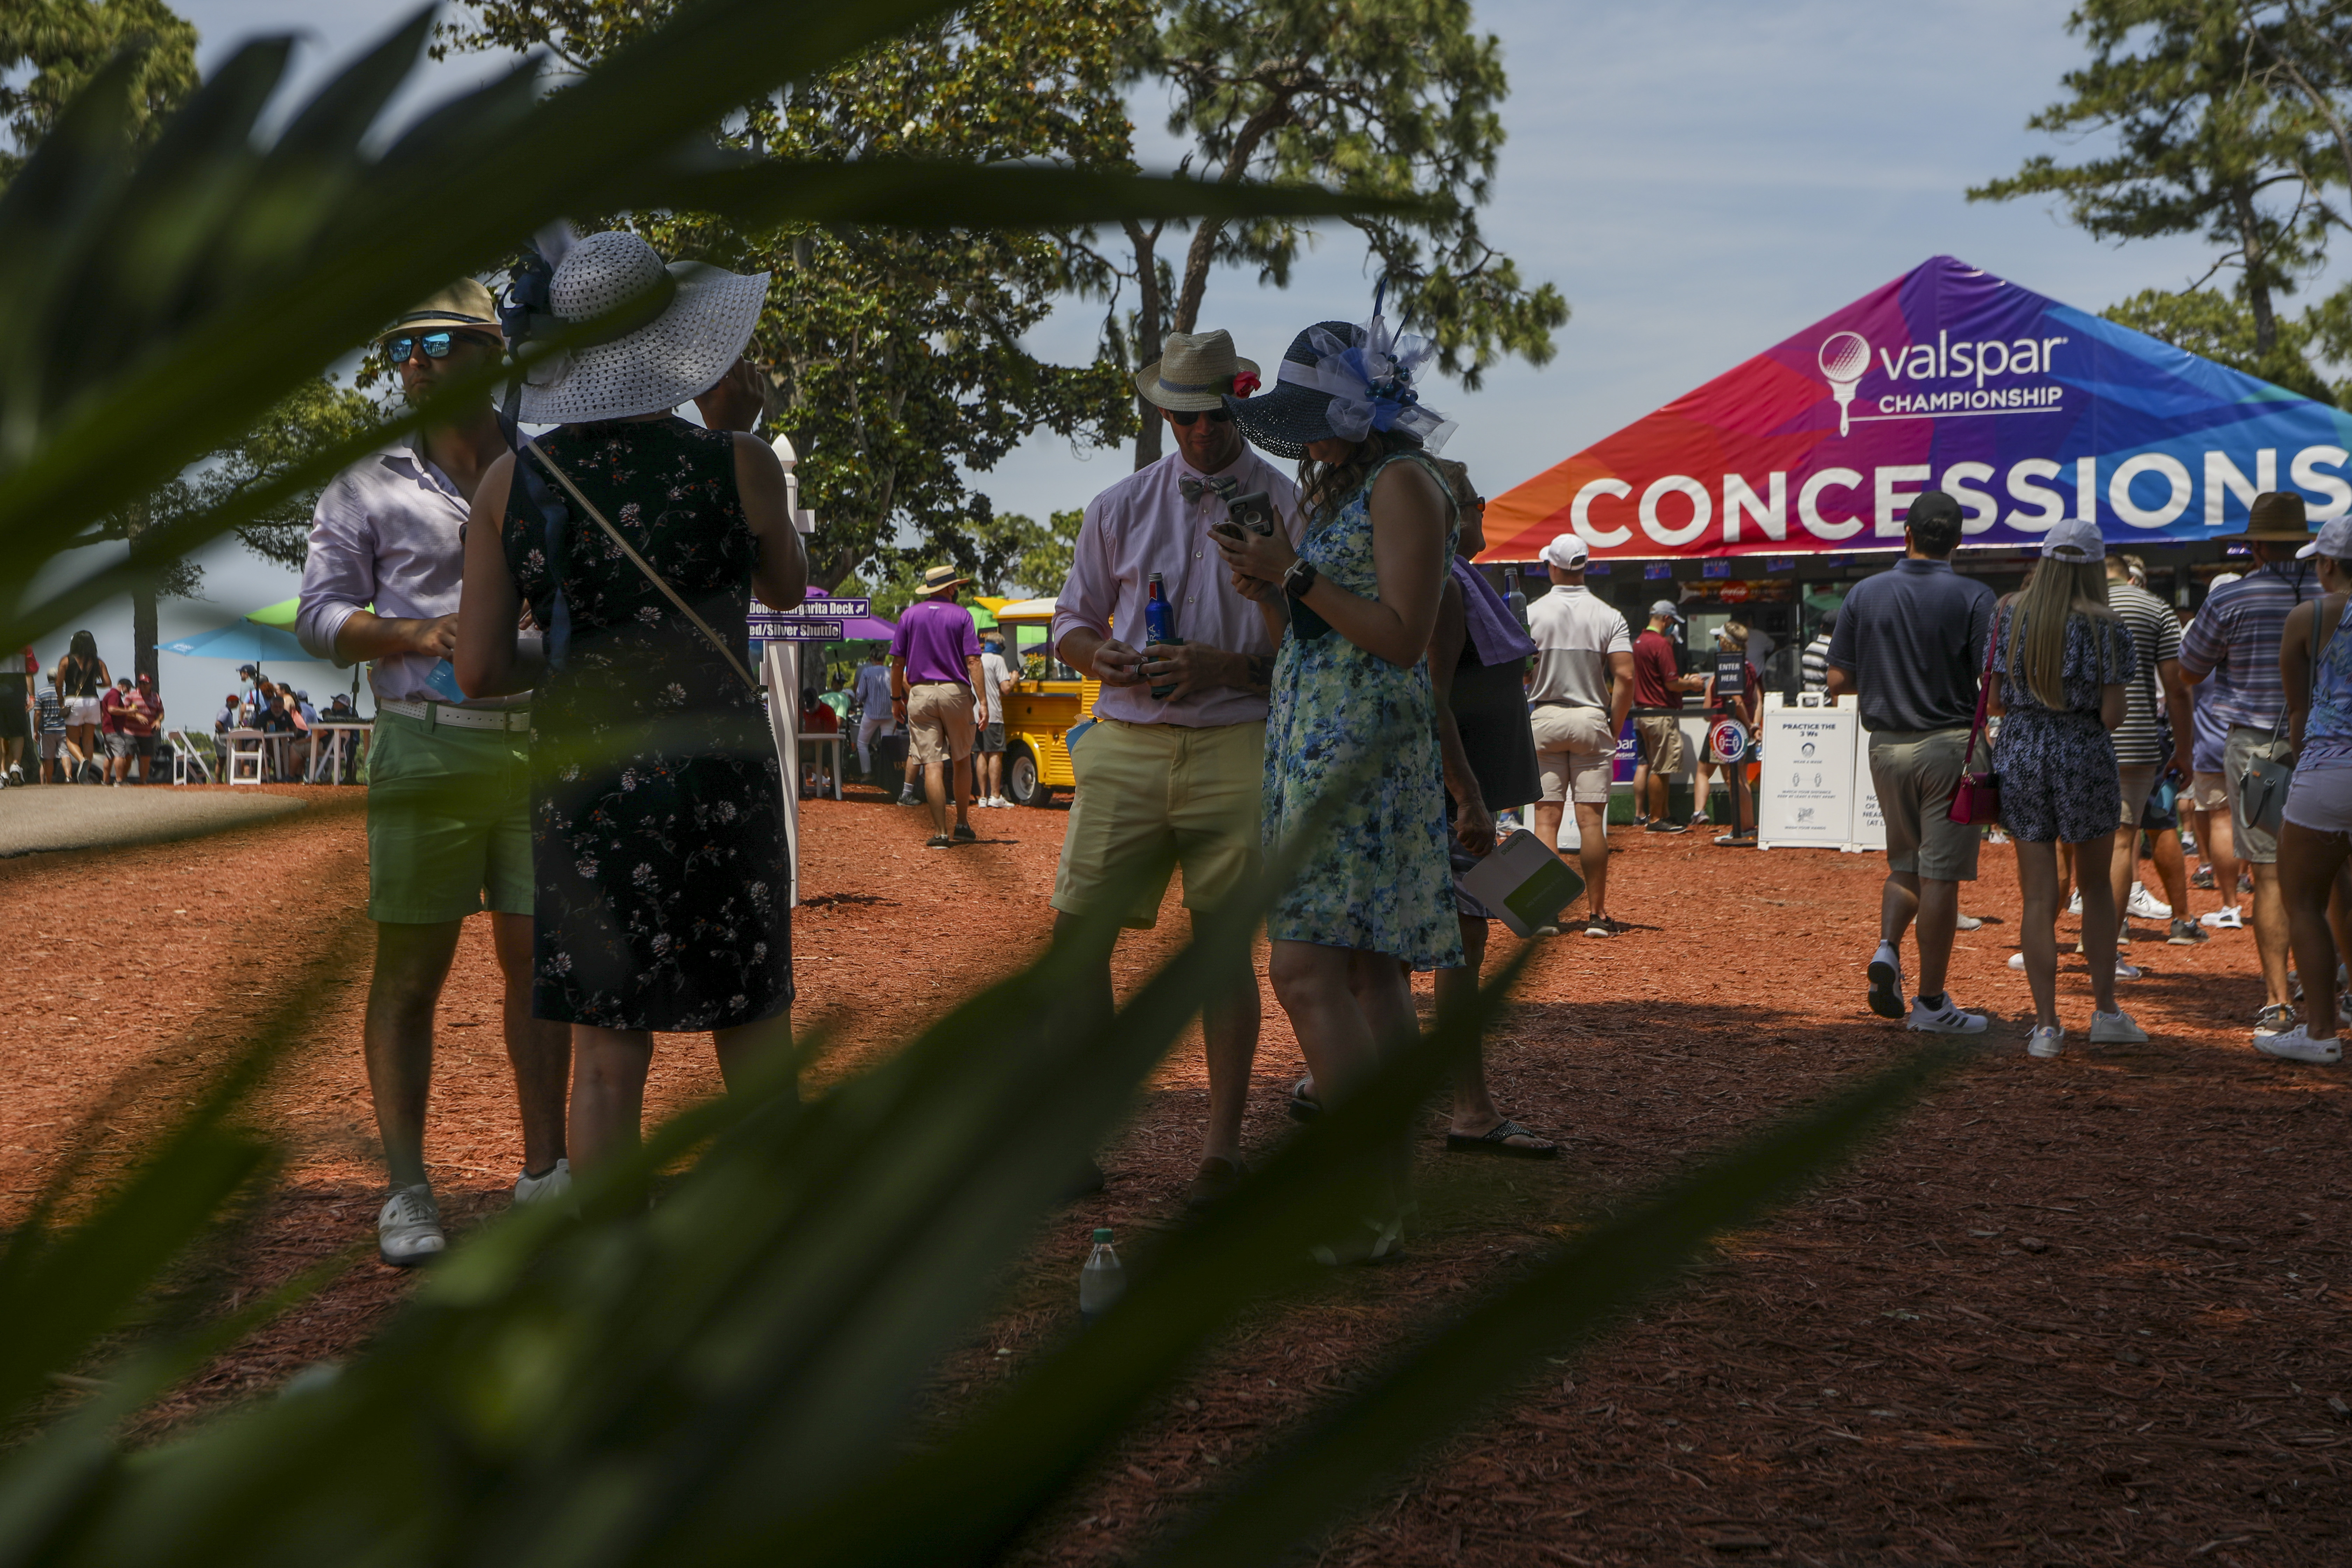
point(678, 356)
point(2278, 516)
point(1285, 416)
point(939, 579)
point(464, 306)
point(1193, 373)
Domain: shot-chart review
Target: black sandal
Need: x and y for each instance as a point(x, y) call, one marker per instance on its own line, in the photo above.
point(1303, 1105)
point(1494, 1141)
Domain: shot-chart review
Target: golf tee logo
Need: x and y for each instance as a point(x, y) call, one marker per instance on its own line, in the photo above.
point(1844, 358)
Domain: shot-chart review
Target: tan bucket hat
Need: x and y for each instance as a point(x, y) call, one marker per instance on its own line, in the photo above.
point(2278, 516)
point(464, 306)
point(939, 579)
point(1193, 373)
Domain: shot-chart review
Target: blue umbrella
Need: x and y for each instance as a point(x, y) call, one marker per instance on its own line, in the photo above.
point(246, 641)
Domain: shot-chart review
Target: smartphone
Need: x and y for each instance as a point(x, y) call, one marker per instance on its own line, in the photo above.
point(1254, 512)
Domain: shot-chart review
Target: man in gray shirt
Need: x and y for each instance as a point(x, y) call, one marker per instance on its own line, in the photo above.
point(1580, 694)
point(1911, 641)
point(448, 788)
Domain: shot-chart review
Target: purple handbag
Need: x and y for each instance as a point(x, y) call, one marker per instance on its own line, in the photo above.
point(1975, 799)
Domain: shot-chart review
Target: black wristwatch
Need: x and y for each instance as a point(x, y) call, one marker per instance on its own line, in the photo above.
point(1299, 579)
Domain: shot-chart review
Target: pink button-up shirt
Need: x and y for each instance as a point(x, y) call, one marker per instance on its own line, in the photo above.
point(1142, 526)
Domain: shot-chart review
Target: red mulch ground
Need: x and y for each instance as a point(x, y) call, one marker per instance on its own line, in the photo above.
point(2074, 1312)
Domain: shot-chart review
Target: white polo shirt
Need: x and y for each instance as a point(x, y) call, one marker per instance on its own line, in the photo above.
point(1574, 635)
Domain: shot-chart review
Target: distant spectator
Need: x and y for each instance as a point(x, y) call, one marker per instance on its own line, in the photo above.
point(1582, 693)
point(50, 713)
point(115, 735)
point(83, 681)
point(1659, 685)
point(935, 675)
point(995, 682)
point(874, 711)
point(16, 717)
point(143, 720)
point(1910, 642)
point(232, 715)
point(2233, 643)
point(2312, 846)
point(2209, 799)
point(302, 706)
point(1817, 656)
point(2156, 712)
point(1734, 691)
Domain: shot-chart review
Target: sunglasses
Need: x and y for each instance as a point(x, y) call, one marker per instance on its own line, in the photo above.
point(436, 345)
point(1215, 415)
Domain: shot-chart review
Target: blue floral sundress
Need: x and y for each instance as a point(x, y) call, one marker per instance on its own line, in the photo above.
point(1379, 879)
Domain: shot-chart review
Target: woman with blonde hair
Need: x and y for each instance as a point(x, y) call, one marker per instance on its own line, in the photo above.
point(2063, 661)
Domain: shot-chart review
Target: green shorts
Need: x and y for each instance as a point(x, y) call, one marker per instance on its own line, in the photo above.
point(448, 822)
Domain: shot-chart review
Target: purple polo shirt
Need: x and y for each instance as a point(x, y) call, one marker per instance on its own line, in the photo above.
point(935, 637)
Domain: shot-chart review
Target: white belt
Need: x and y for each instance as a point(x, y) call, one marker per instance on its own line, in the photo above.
point(434, 713)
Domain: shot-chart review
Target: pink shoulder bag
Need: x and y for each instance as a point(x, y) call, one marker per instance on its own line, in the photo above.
point(1975, 799)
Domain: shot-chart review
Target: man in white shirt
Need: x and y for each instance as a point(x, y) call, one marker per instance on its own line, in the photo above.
point(1581, 692)
point(988, 750)
point(1179, 778)
point(448, 782)
point(873, 705)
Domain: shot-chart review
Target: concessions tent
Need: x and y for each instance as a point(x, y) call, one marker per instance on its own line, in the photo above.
point(1764, 491)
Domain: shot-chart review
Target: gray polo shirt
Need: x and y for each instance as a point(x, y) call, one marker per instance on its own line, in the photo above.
point(1914, 640)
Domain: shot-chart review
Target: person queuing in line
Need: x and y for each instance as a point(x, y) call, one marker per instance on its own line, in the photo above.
point(2315, 838)
point(2157, 727)
point(449, 819)
point(83, 680)
point(658, 847)
point(2208, 798)
point(49, 715)
point(16, 717)
point(995, 685)
point(1580, 693)
point(1478, 666)
point(1659, 685)
point(1815, 665)
point(143, 720)
point(1910, 643)
point(1734, 690)
point(2233, 643)
point(2065, 663)
point(1351, 734)
point(114, 736)
point(875, 710)
point(935, 686)
point(1176, 778)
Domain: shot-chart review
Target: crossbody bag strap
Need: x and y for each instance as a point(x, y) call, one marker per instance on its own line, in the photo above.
point(640, 562)
point(1984, 692)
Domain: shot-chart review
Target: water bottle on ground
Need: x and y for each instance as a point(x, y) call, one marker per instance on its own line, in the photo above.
point(1159, 626)
point(1102, 1281)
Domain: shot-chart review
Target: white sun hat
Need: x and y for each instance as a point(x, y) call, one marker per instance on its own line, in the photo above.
point(679, 354)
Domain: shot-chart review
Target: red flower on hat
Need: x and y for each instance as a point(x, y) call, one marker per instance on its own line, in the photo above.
point(1245, 383)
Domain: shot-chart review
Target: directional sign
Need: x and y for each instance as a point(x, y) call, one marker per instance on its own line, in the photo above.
point(844, 609)
point(791, 629)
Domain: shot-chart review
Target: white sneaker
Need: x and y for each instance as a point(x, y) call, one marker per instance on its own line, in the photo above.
point(2145, 905)
point(2227, 918)
point(1967, 922)
point(1000, 802)
point(408, 1228)
point(2128, 971)
point(1886, 982)
point(2046, 1043)
point(2115, 1029)
point(2017, 962)
point(1947, 1019)
point(2074, 905)
point(2298, 1046)
point(555, 1185)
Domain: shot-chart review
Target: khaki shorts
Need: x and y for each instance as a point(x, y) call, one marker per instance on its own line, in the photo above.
point(2250, 843)
point(1915, 772)
point(448, 822)
point(1660, 736)
point(2139, 781)
point(938, 721)
point(2206, 792)
point(1576, 752)
point(1153, 797)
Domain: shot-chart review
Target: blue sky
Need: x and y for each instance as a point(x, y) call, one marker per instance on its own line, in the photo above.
point(1699, 178)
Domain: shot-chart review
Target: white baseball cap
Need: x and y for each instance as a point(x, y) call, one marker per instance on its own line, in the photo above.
point(2075, 542)
point(1568, 553)
point(2335, 538)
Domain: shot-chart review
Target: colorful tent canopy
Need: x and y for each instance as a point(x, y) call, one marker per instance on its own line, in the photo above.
point(253, 644)
point(2026, 410)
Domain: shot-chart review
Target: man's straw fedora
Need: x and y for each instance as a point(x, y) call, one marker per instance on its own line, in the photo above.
point(1193, 373)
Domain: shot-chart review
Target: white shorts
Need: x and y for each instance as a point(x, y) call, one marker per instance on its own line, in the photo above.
point(2320, 799)
point(81, 710)
point(1576, 752)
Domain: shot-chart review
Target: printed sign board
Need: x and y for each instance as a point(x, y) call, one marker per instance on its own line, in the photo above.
point(789, 628)
point(1805, 795)
point(2025, 410)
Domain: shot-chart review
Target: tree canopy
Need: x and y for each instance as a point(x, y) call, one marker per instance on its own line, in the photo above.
point(49, 49)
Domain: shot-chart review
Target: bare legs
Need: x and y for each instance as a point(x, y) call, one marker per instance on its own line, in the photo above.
point(608, 1080)
point(1591, 850)
point(2271, 938)
point(2307, 865)
point(2037, 876)
point(2216, 846)
point(410, 962)
point(935, 791)
point(1935, 903)
point(1229, 1031)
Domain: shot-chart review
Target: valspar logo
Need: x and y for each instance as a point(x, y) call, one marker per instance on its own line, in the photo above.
point(1845, 358)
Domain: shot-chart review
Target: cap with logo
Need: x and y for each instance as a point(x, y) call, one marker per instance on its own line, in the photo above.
point(1667, 608)
point(2335, 540)
point(2073, 540)
point(1568, 553)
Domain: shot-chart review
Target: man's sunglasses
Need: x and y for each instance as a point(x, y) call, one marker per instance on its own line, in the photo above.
point(1215, 415)
point(436, 345)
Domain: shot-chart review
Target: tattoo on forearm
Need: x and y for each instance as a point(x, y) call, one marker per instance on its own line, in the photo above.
point(1258, 667)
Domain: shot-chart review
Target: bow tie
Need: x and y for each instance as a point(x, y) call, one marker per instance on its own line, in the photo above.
point(1225, 485)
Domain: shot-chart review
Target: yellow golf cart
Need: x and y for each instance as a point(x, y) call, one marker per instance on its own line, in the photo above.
point(1049, 700)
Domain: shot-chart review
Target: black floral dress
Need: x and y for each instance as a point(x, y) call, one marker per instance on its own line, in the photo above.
point(657, 831)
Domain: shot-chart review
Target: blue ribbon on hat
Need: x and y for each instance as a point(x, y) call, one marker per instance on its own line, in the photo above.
point(1370, 381)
